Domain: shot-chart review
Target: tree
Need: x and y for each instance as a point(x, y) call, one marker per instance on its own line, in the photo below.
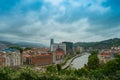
point(58, 67)
point(51, 68)
point(93, 61)
point(18, 48)
point(27, 48)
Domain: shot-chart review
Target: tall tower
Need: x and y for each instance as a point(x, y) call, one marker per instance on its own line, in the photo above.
point(51, 43)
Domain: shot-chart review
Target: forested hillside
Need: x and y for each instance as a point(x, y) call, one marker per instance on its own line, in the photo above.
point(106, 44)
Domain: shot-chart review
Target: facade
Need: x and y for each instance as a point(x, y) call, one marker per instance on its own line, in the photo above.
point(69, 47)
point(55, 46)
point(104, 57)
point(26, 59)
point(40, 50)
point(43, 59)
point(2, 60)
point(51, 42)
point(59, 52)
point(10, 58)
point(78, 49)
point(37, 59)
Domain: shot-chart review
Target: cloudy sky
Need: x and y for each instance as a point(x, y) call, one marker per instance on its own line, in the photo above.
point(64, 20)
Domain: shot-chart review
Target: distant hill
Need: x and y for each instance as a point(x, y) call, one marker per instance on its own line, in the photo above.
point(28, 44)
point(5, 44)
point(106, 44)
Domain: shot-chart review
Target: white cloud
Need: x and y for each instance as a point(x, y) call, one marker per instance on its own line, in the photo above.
point(35, 29)
point(91, 5)
point(62, 8)
point(99, 9)
point(54, 2)
point(60, 33)
point(41, 32)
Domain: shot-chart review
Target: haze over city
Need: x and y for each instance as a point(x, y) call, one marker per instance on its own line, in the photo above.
point(64, 20)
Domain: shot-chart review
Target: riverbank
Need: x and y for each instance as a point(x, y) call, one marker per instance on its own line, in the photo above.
point(79, 62)
point(68, 63)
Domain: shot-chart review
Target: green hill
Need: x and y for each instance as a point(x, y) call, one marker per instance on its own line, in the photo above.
point(106, 44)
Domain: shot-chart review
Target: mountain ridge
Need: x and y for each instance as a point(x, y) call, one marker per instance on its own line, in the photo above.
point(5, 44)
point(105, 44)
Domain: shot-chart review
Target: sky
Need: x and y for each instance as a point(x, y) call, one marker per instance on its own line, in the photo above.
point(37, 21)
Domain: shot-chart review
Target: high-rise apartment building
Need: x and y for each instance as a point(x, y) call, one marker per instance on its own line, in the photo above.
point(69, 47)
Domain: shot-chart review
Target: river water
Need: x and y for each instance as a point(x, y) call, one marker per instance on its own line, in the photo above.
point(80, 61)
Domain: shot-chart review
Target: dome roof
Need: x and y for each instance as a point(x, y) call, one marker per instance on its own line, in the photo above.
point(59, 49)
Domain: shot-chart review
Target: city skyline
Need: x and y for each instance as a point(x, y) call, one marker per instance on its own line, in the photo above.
point(64, 20)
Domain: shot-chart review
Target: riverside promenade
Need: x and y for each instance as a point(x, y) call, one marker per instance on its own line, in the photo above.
point(68, 63)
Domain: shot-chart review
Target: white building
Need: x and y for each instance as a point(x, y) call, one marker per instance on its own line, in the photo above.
point(11, 58)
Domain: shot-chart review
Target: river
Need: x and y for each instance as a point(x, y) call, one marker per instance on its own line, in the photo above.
point(80, 61)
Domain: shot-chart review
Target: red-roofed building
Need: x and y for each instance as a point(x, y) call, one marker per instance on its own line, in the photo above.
point(59, 53)
point(105, 56)
point(38, 59)
point(26, 59)
point(43, 59)
point(2, 60)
